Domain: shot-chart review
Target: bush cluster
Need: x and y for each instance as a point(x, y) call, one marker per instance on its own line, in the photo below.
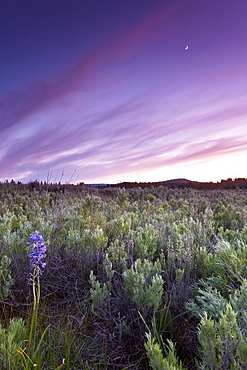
point(135, 279)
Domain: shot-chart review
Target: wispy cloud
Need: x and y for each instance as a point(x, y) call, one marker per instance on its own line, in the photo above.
point(20, 104)
point(122, 148)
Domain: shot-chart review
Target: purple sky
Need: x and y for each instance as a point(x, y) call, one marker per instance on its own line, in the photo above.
point(105, 91)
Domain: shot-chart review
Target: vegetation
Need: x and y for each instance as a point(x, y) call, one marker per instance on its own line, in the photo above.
point(139, 278)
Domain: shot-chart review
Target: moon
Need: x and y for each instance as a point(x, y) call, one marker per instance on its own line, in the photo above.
point(186, 47)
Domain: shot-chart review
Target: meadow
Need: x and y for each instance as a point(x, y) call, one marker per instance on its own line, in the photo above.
point(152, 278)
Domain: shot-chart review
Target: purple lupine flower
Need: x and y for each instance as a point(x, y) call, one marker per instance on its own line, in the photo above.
point(37, 254)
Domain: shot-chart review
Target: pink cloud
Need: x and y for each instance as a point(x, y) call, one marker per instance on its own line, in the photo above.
point(132, 143)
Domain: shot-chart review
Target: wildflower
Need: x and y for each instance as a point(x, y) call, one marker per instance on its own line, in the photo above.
point(37, 254)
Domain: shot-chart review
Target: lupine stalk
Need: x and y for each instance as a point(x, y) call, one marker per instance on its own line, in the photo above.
point(37, 254)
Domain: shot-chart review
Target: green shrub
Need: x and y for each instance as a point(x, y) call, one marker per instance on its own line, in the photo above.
point(12, 344)
point(223, 345)
point(156, 358)
point(145, 241)
point(6, 280)
point(144, 283)
point(98, 292)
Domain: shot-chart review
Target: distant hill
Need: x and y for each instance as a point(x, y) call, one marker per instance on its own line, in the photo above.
point(177, 181)
point(185, 183)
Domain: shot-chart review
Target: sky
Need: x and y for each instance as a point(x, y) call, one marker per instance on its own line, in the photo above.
point(107, 91)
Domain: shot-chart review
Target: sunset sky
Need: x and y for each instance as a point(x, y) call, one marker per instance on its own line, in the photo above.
point(105, 91)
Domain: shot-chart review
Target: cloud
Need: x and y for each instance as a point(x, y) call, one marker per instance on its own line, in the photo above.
point(127, 149)
point(123, 138)
point(20, 104)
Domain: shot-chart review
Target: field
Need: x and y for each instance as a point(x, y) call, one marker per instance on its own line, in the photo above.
point(134, 279)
